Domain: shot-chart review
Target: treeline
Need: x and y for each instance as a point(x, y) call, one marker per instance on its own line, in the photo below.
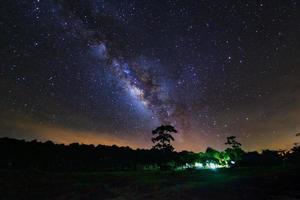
point(34, 155)
point(20, 154)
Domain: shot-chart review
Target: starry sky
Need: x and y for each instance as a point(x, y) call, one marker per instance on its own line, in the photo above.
point(110, 71)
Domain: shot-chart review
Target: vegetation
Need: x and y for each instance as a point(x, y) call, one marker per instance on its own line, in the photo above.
point(163, 138)
point(44, 170)
point(34, 155)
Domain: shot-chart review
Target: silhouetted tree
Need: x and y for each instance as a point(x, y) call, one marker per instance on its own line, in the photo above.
point(162, 146)
point(212, 155)
point(162, 137)
point(231, 141)
point(234, 151)
point(186, 158)
point(294, 154)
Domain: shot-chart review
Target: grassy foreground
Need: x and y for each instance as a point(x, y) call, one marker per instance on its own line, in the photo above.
point(246, 183)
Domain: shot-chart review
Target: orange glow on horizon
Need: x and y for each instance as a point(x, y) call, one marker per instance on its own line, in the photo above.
point(29, 130)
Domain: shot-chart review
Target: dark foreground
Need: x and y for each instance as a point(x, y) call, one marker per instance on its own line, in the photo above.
point(246, 183)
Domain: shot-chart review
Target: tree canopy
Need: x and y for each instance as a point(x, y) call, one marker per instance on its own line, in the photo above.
point(162, 137)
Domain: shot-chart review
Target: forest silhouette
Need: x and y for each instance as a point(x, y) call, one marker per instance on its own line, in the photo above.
point(34, 155)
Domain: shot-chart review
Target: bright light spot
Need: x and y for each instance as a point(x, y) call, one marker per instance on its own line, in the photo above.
point(198, 165)
point(206, 165)
point(232, 162)
point(211, 165)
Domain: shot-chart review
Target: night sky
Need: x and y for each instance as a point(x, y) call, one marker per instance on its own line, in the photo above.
point(109, 72)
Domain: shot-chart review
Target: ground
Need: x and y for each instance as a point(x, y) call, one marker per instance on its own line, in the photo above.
point(275, 183)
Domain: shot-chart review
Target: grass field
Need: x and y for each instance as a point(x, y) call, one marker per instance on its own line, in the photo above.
point(246, 183)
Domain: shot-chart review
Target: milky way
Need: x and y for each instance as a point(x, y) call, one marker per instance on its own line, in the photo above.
point(139, 83)
point(139, 78)
point(115, 70)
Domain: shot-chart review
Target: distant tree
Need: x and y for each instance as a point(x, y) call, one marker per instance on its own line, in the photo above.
point(296, 144)
point(296, 148)
point(209, 156)
point(185, 158)
point(162, 138)
point(232, 142)
point(235, 151)
point(270, 157)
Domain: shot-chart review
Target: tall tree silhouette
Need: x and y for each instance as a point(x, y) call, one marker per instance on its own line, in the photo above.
point(232, 142)
point(234, 151)
point(162, 137)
